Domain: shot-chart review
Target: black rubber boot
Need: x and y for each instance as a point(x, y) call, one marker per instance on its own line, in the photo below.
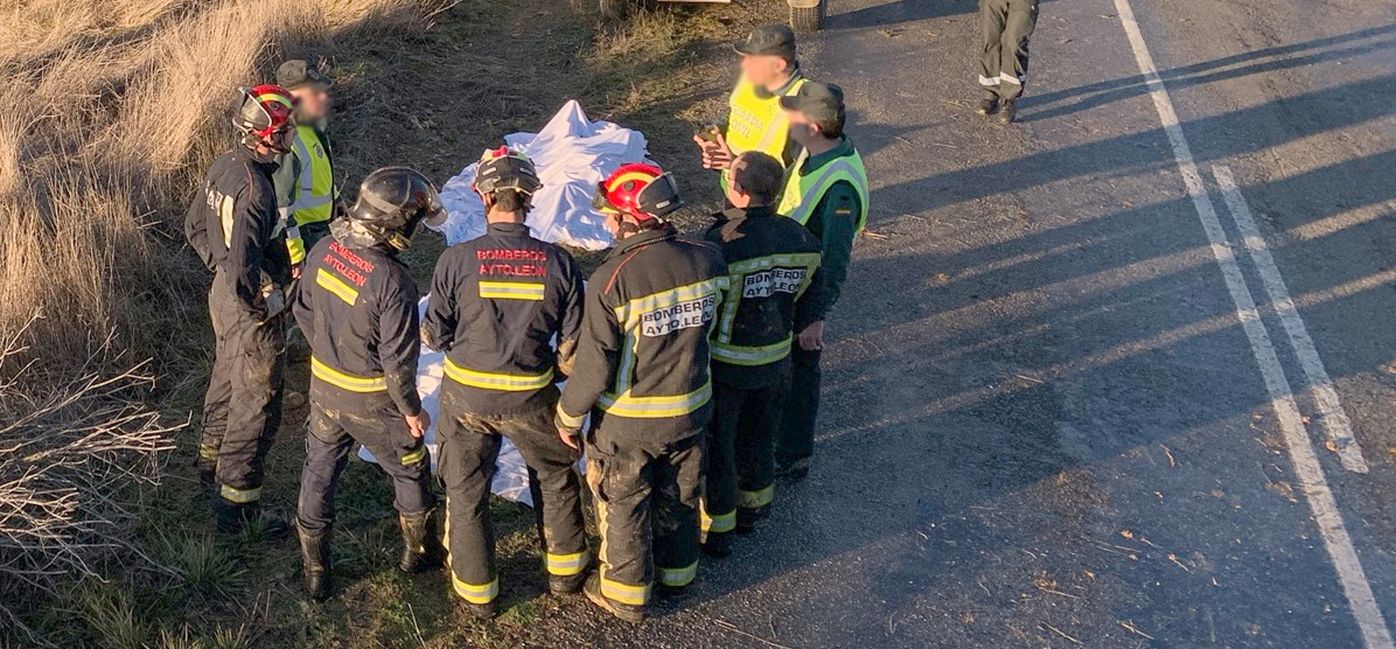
point(315, 562)
point(421, 550)
point(796, 470)
point(566, 585)
point(625, 612)
point(1008, 111)
point(236, 518)
point(477, 611)
point(746, 519)
point(987, 106)
point(718, 545)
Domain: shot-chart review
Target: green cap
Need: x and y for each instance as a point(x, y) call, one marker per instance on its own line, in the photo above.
point(819, 101)
point(774, 40)
point(299, 72)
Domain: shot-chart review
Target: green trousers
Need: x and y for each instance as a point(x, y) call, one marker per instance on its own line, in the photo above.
point(1005, 26)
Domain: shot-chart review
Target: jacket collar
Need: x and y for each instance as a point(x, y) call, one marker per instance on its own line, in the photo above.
point(509, 229)
point(844, 147)
point(636, 241)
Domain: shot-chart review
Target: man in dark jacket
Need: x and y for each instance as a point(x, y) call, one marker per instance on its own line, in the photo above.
point(234, 227)
point(776, 289)
point(497, 305)
point(357, 305)
point(642, 373)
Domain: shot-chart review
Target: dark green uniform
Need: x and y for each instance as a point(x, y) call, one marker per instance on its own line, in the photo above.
point(1005, 27)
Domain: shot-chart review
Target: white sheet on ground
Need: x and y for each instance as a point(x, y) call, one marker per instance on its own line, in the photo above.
point(572, 154)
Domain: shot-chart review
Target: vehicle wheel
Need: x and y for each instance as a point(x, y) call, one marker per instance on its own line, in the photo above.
point(807, 19)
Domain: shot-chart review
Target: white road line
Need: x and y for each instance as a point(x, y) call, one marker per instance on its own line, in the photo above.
point(1335, 420)
point(1302, 455)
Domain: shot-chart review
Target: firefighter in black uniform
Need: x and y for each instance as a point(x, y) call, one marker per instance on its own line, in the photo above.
point(234, 227)
point(776, 289)
point(497, 304)
point(642, 373)
point(357, 305)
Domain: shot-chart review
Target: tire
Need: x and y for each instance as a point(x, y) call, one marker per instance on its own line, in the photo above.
point(808, 19)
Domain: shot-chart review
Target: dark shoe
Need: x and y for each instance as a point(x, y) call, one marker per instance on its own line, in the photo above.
point(248, 518)
point(208, 480)
point(718, 545)
point(796, 470)
point(477, 611)
point(746, 519)
point(987, 106)
point(567, 585)
point(625, 612)
point(1008, 111)
point(421, 550)
point(672, 593)
point(315, 562)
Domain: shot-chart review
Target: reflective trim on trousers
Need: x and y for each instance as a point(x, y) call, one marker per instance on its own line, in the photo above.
point(566, 565)
point(475, 593)
point(240, 496)
point(626, 593)
point(756, 499)
point(720, 523)
point(677, 577)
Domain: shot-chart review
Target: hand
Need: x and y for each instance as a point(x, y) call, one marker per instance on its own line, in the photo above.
point(812, 338)
point(418, 424)
point(570, 438)
point(717, 155)
point(296, 271)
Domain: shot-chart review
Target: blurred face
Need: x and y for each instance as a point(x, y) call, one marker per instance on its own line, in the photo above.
point(313, 102)
point(802, 130)
point(764, 70)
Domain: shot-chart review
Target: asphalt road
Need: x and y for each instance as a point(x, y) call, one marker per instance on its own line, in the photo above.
point(1045, 422)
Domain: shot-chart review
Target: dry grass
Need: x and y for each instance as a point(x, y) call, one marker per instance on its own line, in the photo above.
point(110, 108)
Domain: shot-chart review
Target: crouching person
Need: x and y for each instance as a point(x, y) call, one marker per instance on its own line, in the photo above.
point(357, 305)
point(642, 363)
point(497, 303)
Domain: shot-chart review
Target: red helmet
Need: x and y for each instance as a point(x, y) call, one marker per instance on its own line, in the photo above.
point(642, 190)
point(266, 110)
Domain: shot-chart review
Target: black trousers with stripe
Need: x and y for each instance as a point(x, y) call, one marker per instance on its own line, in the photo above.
point(242, 407)
point(469, 449)
point(380, 428)
point(740, 457)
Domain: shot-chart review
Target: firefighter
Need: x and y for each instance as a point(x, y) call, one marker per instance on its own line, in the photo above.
point(234, 227)
point(827, 192)
point(497, 303)
point(358, 308)
point(642, 373)
point(755, 122)
point(305, 188)
point(1005, 26)
point(773, 269)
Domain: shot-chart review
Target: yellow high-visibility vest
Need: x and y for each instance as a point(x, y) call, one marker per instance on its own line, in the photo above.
point(757, 122)
point(314, 188)
point(805, 188)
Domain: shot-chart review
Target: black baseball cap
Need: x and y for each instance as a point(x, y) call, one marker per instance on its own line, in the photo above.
point(774, 40)
point(820, 101)
point(299, 72)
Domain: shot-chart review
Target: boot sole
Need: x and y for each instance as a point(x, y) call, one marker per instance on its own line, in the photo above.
point(605, 604)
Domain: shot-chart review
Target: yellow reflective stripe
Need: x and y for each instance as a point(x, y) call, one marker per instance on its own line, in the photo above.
point(750, 356)
point(315, 184)
point(802, 259)
point(271, 96)
point(569, 420)
point(756, 499)
point(320, 370)
point(326, 280)
point(497, 381)
point(625, 593)
point(295, 245)
point(225, 216)
point(677, 577)
point(719, 523)
point(512, 290)
point(240, 496)
point(804, 191)
point(624, 405)
point(566, 565)
point(208, 451)
point(413, 457)
point(629, 313)
point(475, 593)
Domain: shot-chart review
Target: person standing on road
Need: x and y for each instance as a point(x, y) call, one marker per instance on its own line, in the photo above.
point(642, 363)
point(827, 192)
point(1005, 26)
point(358, 309)
point(755, 122)
point(773, 269)
point(233, 225)
point(497, 304)
point(305, 189)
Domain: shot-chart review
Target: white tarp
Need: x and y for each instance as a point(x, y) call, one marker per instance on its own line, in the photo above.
point(572, 154)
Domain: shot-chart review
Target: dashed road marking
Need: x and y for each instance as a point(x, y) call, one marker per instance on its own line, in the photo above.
point(1332, 415)
point(1368, 616)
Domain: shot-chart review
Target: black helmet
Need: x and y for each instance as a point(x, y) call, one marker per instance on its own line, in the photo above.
point(392, 201)
point(505, 168)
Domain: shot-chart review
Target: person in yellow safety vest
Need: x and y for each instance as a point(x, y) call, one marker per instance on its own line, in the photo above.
point(306, 192)
point(827, 192)
point(755, 121)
